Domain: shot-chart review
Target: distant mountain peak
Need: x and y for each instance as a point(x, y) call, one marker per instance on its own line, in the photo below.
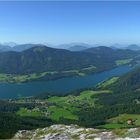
point(77, 48)
point(10, 44)
point(68, 46)
point(134, 47)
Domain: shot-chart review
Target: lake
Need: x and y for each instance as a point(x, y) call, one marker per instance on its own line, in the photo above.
point(8, 90)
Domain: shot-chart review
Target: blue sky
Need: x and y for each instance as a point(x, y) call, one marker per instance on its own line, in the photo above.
point(65, 22)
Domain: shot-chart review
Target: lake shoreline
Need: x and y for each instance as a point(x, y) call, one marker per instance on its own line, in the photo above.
point(61, 85)
point(51, 78)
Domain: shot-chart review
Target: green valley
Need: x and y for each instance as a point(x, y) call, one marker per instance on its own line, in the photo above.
point(102, 107)
point(66, 107)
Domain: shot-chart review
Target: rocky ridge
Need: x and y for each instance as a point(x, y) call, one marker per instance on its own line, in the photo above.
point(74, 132)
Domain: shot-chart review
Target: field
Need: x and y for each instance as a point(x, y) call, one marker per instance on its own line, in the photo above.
point(67, 106)
point(121, 121)
point(114, 126)
point(107, 82)
point(23, 112)
point(57, 112)
point(123, 62)
point(12, 78)
point(57, 107)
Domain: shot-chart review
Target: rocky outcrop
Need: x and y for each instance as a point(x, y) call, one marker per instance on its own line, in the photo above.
point(74, 132)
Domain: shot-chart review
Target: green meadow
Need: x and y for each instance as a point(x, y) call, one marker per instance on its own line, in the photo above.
point(67, 106)
point(123, 62)
point(121, 121)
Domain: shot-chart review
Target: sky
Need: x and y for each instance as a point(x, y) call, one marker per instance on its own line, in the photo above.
point(59, 22)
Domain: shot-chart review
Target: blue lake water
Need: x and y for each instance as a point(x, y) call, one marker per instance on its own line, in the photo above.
point(62, 85)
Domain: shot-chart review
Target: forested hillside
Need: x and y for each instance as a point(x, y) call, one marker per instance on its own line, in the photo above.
point(43, 59)
point(125, 98)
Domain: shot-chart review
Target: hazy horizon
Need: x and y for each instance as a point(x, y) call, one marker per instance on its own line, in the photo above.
point(70, 44)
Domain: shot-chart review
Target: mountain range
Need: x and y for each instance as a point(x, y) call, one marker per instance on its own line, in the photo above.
point(11, 46)
point(17, 48)
point(40, 58)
